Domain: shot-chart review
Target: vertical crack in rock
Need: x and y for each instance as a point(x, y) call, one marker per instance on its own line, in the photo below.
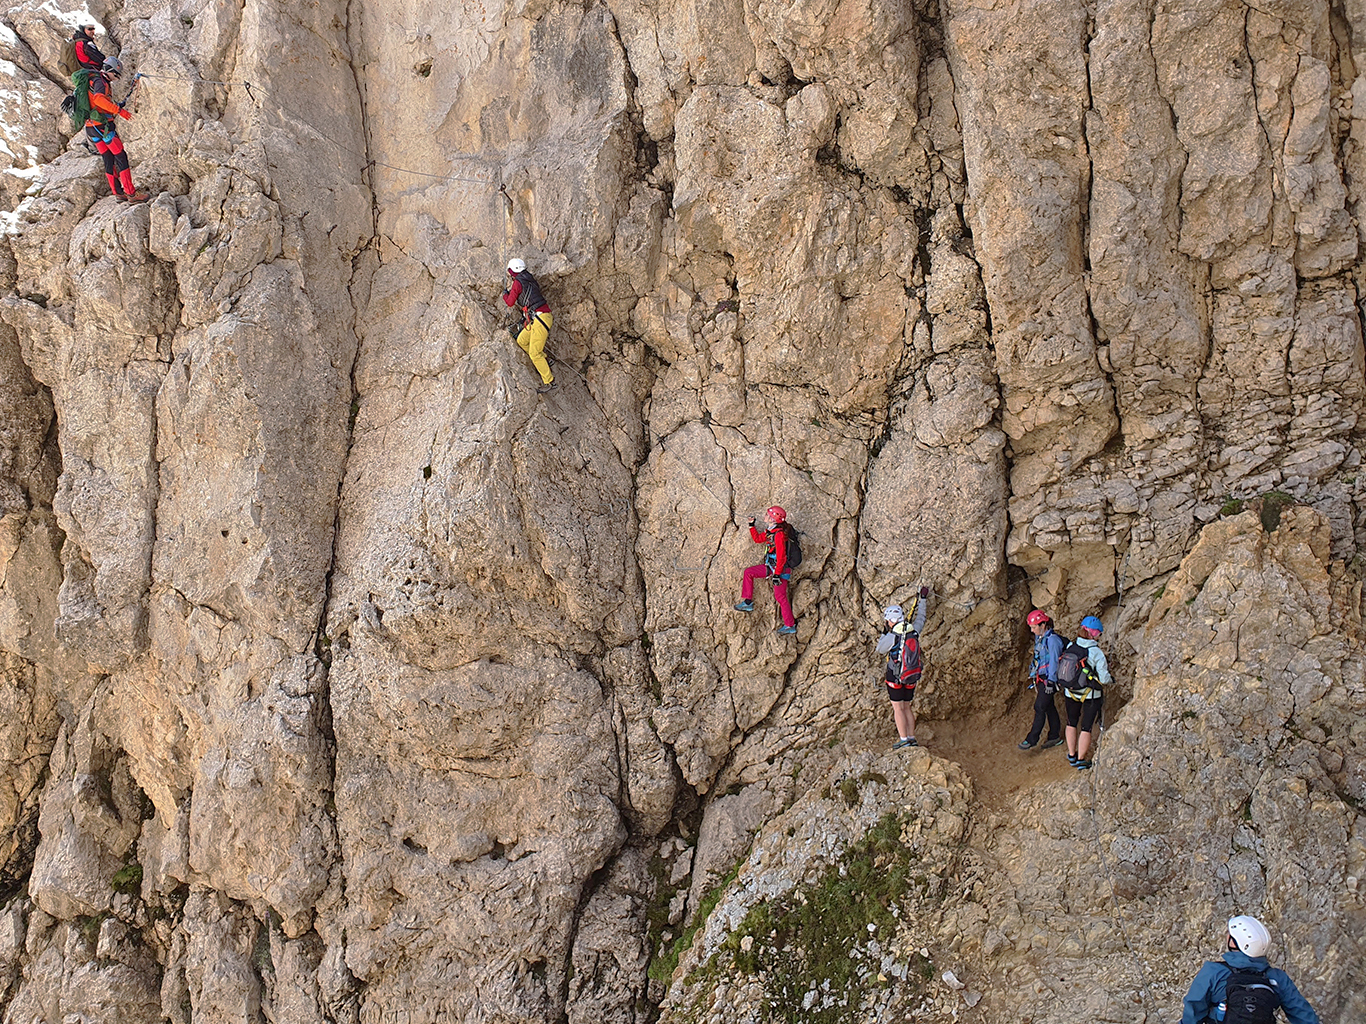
point(322, 642)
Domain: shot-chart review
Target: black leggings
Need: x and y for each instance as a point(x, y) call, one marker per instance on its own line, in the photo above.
point(1045, 709)
point(1084, 712)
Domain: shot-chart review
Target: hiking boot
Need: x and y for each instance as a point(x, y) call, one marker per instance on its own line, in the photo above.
point(1082, 766)
point(902, 743)
point(545, 389)
point(1072, 760)
point(1027, 744)
point(745, 606)
point(136, 197)
point(119, 197)
point(786, 630)
point(1050, 743)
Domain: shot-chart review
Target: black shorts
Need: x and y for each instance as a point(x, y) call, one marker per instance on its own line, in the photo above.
point(1082, 713)
point(898, 692)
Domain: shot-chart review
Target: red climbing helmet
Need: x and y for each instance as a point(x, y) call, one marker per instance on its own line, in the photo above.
point(1037, 618)
point(776, 513)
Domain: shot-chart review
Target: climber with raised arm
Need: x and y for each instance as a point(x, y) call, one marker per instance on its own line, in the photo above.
point(779, 536)
point(96, 104)
point(1043, 680)
point(1243, 988)
point(901, 644)
point(524, 294)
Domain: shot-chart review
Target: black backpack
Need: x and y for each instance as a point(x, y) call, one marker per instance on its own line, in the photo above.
point(1249, 997)
point(1070, 664)
point(794, 545)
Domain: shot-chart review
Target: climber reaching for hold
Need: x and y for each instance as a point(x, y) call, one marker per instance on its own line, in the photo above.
point(525, 294)
point(780, 538)
point(100, 110)
point(901, 644)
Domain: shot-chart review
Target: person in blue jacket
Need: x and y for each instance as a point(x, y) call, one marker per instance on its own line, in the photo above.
point(1043, 680)
point(1248, 941)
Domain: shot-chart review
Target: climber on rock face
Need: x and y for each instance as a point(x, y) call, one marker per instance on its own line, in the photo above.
point(1083, 695)
point(1241, 988)
point(101, 127)
point(901, 644)
point(777, 536)
point(1043, 680)
point(524, 293)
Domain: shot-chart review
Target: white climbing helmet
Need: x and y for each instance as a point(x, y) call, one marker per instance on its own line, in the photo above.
point(893, 614)
point(516, 266)
point(1249, 934)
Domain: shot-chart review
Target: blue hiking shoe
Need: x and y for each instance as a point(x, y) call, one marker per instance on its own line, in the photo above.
point(787, 630)
point(745, 606)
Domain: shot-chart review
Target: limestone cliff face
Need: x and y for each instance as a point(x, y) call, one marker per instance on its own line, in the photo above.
point(348, 679)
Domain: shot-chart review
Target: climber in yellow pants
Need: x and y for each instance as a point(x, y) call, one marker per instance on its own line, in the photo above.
point(524, 293)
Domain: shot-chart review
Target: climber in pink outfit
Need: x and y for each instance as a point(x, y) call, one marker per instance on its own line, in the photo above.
point(775, 564)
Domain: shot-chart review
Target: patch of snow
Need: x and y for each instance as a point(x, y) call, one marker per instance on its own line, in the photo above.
point(72, 19)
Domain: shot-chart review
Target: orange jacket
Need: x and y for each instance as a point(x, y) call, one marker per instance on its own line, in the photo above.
point(101, 100)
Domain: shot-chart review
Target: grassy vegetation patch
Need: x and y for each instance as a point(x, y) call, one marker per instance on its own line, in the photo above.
point(811, 945)
point(665, 961)
point(128, 879)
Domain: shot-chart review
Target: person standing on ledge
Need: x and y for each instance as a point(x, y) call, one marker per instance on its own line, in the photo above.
point(901, 644)
point(1083, 695)
point(1242, 988)
point(524, 293)
point(100, 110)
point(1043, 680)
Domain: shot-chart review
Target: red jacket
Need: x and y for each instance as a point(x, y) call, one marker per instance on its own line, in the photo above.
point(776, 539)
point(88, 55)
point(103, 107)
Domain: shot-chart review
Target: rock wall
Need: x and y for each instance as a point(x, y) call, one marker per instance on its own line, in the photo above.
point(350, 680)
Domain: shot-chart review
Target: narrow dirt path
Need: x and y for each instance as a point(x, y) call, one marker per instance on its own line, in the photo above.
point(986, 746)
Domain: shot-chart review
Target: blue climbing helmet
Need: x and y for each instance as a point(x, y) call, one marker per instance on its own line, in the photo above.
point(1091, 622)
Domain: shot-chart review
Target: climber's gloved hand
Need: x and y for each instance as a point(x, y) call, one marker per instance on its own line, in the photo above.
point(924, 593)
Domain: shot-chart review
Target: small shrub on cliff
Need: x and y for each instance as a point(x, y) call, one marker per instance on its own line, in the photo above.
point(1273, 503)
point(128, 879)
